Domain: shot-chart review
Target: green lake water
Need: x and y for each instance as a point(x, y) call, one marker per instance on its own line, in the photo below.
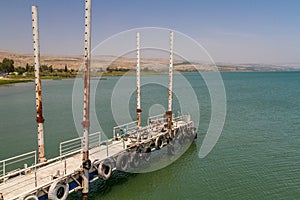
point(256, 157)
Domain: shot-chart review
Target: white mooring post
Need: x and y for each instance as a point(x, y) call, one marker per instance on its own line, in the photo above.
point(38, 88)
point(138, 81)
point(86, 163)
point(169, 112)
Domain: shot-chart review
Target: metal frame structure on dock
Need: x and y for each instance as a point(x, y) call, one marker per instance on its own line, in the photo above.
point(121, 153)
point(85, 159)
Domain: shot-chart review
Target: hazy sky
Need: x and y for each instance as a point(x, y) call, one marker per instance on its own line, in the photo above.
point(253, 31)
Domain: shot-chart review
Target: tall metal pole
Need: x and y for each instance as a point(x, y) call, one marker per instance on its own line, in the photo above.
point(86, 163)
point(38, 87)
point(169, 112)
point(138, 80)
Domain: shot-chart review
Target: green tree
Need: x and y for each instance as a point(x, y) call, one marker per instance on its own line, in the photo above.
point(44, 68)
point(20, 70)
point(50, 69)
point(28, 68)
point(7, 65)
point(109, 69)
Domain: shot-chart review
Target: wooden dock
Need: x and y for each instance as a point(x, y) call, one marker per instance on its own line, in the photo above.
point(65, 171)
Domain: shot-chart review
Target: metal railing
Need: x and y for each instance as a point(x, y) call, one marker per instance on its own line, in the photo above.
point(109, 144)
point(41, 186)
point(157, 119)
point(184, 118)
point(11, 166)
point(75, 144)
point(69, 146)
point(94, 139)
point(125, 129)
point(37, 180)
point(27, 163)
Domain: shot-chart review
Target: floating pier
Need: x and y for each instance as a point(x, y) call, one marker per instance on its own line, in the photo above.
point(57, 177)
point(82, 160)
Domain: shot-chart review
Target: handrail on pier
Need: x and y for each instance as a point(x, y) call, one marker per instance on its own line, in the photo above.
point(15, 163)
point(75, 144)
point(124, 128)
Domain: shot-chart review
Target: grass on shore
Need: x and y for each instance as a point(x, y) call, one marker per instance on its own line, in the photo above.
point(12, 81)
point(21, 79)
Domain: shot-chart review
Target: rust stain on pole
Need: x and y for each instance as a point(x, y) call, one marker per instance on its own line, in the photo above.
point(169, 112)
point(86, 101)
point(38, 86)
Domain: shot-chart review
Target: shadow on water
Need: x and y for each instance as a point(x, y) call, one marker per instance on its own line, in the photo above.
point(101, 188)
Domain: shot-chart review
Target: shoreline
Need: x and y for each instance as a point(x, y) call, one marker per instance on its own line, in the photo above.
point(13, 80)
point(7, 81)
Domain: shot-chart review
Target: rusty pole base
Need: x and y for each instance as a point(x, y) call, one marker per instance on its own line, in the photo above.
point(42, 160)
point(84, 196)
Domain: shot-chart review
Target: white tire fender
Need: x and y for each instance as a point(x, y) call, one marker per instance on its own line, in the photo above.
point(58, 190)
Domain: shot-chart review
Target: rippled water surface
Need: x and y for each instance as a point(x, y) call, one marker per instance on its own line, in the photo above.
point(256, 157)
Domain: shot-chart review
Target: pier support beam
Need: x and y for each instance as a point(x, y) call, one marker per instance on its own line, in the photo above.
point(169, 112)
point(86, 163)
point(38, 87)
point(138, 81)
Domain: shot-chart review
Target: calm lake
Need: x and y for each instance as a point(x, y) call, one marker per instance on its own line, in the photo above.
point(256, 157)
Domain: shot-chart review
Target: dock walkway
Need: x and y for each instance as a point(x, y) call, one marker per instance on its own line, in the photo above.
point(67, 168)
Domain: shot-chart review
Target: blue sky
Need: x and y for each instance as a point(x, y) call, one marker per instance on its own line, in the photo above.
point(256, 31)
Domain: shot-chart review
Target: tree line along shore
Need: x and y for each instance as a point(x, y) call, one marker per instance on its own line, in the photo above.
point(9, 73)
point(14, 67)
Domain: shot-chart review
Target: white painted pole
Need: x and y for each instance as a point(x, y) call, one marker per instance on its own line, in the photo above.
point(138, 80)
point(169, 112)
point(38, 87)
point(86, 163)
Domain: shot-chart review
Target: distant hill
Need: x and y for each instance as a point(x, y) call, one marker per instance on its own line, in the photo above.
point(58, 62)
point(102, 63)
